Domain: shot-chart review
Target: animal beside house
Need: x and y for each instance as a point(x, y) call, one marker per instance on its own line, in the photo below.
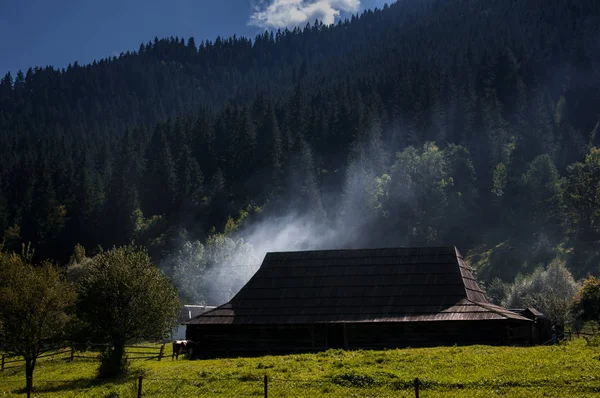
point(180, 347)
point(356, 299)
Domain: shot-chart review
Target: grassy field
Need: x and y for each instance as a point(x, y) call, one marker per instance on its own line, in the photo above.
point(570, 369)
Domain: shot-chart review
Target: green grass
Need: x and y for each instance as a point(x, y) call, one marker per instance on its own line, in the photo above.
point(571, 369)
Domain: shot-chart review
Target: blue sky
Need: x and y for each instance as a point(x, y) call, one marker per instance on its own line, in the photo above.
point(59, 32)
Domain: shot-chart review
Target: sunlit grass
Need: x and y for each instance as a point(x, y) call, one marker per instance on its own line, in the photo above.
point(461, 371)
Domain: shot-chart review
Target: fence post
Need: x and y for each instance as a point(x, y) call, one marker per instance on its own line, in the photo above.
point(140, 386)
point(417, 387)
point(3, 359)
point(266, 386)
point(72, 353)
point(162, 351)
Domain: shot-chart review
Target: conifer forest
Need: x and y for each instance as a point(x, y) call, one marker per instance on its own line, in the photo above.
point(471, 123)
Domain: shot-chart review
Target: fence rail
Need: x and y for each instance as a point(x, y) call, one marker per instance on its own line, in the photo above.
point(133, 352)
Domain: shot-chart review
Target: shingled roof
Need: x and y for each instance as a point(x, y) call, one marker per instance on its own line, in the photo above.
point(367, 285)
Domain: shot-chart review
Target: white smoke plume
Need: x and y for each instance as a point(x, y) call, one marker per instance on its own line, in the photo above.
point(290, 13)
point(212, 272)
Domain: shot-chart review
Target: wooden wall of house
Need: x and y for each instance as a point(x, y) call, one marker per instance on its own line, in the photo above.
point(234, 340)
point(427, 334)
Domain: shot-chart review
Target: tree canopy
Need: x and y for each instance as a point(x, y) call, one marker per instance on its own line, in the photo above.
point(587, 303)
point(125, 298)
point(36, 308)
point(550, 291)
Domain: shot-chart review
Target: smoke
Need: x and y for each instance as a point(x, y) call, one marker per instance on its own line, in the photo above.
point(284, 13)
point(212, 272)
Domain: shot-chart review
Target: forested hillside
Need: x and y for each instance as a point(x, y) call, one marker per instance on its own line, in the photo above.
point(430, 122)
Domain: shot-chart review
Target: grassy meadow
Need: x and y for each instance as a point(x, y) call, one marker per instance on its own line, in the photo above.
point(570, 369)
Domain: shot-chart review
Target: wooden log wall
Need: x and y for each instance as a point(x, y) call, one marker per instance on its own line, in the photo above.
point(228, 340)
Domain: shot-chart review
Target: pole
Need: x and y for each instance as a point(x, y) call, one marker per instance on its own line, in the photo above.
point(417, 387)
point(162, 351)
point(266, 386)
point(140, 387)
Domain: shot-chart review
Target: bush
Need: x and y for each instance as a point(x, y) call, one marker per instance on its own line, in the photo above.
point(353, 380)
point(593, 341)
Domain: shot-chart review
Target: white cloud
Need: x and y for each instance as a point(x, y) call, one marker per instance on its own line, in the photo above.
point(285, 13)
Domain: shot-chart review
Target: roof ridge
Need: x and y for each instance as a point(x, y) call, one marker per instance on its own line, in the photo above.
point(472, 290)
point(364, 249)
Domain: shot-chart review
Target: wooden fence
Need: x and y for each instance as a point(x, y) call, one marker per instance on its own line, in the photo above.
point(133, 352)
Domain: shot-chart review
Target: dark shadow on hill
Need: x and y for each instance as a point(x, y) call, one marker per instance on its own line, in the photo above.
point(508, 258)
point(80, 384)
point(583, 257)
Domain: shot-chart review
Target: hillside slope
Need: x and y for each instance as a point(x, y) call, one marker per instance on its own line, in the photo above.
point(430, 122)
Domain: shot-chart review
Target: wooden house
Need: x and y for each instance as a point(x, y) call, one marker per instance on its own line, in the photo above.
point(356, 299)
point(186, 313)
point(542, 328)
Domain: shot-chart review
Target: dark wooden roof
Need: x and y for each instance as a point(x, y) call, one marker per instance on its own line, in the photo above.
point(529, 313)
point(370, 285)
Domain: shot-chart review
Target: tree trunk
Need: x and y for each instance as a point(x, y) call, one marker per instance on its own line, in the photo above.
point(29, 367)
point(112, 361)
point(117, 355)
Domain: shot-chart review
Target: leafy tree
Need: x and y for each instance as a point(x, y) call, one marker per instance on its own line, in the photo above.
point(35, 309)
point(187, 267)
point(229, 264)
point(12, 238)
point(211, 273)
point(587, 302)
point(124, 299)
point(582, 196)
point(419, 192)
point(549, 290)
point(496, 290)
point(463, 195)
point(79, 265)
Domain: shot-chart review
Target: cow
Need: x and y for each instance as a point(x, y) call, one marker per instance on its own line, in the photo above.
point(180, 347)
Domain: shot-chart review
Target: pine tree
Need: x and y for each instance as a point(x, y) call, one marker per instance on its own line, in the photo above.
point(123, 197)
point(190, 179)
point(161, 177)
point(3, 210)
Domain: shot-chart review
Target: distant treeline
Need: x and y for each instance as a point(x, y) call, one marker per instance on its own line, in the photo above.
point(466, 122)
